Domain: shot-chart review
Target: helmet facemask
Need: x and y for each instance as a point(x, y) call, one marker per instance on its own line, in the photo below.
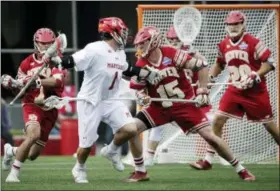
point(148, 45)
point(120, 39)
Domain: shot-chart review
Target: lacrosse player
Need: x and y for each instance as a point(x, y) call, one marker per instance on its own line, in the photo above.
point(192, 76)
point(104, 63)
point(38, 119)
point(172, 83)
point(248, 60)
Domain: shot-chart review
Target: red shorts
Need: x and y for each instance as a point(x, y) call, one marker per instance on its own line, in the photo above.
point(189, 117)
point(256, 105)
point(33, 114)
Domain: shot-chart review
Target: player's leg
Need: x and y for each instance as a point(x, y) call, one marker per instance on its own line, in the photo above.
point(194, 120)
point(118, 117)
point(229, 107)
point(89, 118)
point(258, 109)
point(273, 129)
point(217, 125)
point(47, 124)
point(145, 119)
point(32, 117)
point(153, 141)
point(224, 151)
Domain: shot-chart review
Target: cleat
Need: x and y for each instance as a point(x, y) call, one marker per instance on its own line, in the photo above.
point(149, 161)
point(12, 178)
point(137, 176)
point(79, 175)
point(246, 175)
point(201, 165)
point(7, 159)
point(113, 157)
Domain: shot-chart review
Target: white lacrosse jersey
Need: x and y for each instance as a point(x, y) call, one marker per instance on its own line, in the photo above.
point(103, 67)
point(126, 92)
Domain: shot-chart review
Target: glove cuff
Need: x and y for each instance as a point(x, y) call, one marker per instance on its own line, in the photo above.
point(202, 91)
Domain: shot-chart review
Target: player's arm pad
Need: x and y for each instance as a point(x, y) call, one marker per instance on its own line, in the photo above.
point(132, 71)
point(67, 62)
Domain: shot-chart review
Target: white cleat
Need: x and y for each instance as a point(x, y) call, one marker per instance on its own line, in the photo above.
point(149, 161)
point(113, 157)
point(12, 178)
point(7, 159)
point(79, 175)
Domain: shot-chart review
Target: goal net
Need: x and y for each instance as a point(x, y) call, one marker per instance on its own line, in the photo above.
point(249, 141)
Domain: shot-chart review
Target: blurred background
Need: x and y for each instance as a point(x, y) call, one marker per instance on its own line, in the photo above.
point(78, 20)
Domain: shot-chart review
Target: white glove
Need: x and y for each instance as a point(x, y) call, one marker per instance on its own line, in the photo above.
point(249, 80)
point(142, 98)
point(9, 82)
point(202, 97)
point(153, 76)
point(56, 61)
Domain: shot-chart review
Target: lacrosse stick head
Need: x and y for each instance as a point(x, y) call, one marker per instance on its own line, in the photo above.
point(58, 47)
point(55, 102)
point(187, 23)
point(43, 38)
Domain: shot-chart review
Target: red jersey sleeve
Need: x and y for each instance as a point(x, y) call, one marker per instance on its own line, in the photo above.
point(261, 52)
point(23, 69)
point(220, 56)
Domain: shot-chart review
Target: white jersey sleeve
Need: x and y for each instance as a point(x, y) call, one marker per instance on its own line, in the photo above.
point(85, 57)
point(123, 57)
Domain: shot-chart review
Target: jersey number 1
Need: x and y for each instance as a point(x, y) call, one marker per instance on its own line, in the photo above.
point(114, 81)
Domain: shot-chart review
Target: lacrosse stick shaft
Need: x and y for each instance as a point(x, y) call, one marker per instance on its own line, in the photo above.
point(156, 100)
point(22, 91)
point(218, 84)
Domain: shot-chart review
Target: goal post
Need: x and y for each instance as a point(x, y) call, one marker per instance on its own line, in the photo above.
point(248, 141)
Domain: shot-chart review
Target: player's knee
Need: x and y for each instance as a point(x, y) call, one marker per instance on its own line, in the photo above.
point(33, 132)
point(219, 121)
point(130, 129)
point(207, 134)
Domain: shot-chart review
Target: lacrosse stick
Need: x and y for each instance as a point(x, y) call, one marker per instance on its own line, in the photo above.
point(187, 23)
point(59, 102)
point(219, 84)
point(58, 46)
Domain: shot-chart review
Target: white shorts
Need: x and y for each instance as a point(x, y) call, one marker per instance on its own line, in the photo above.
point(113, 113)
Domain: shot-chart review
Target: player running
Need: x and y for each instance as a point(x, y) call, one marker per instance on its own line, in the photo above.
point(38, 119)
point(172, 83)
point(104, 63)
point(248, 60)
point(192, 76)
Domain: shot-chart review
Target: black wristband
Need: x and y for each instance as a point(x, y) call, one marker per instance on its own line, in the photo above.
point(132, 71)
point(67, 62)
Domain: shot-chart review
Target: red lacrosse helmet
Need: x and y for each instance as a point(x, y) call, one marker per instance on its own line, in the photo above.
point(151, 34)
point(171, 33)
point(116, 28)
point(232, 20)
point(45, 36)
point(235, 17)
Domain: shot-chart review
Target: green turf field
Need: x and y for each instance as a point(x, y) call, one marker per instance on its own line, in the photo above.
point(54, 173)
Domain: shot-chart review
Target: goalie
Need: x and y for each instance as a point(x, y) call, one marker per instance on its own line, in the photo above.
point(38, 119)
